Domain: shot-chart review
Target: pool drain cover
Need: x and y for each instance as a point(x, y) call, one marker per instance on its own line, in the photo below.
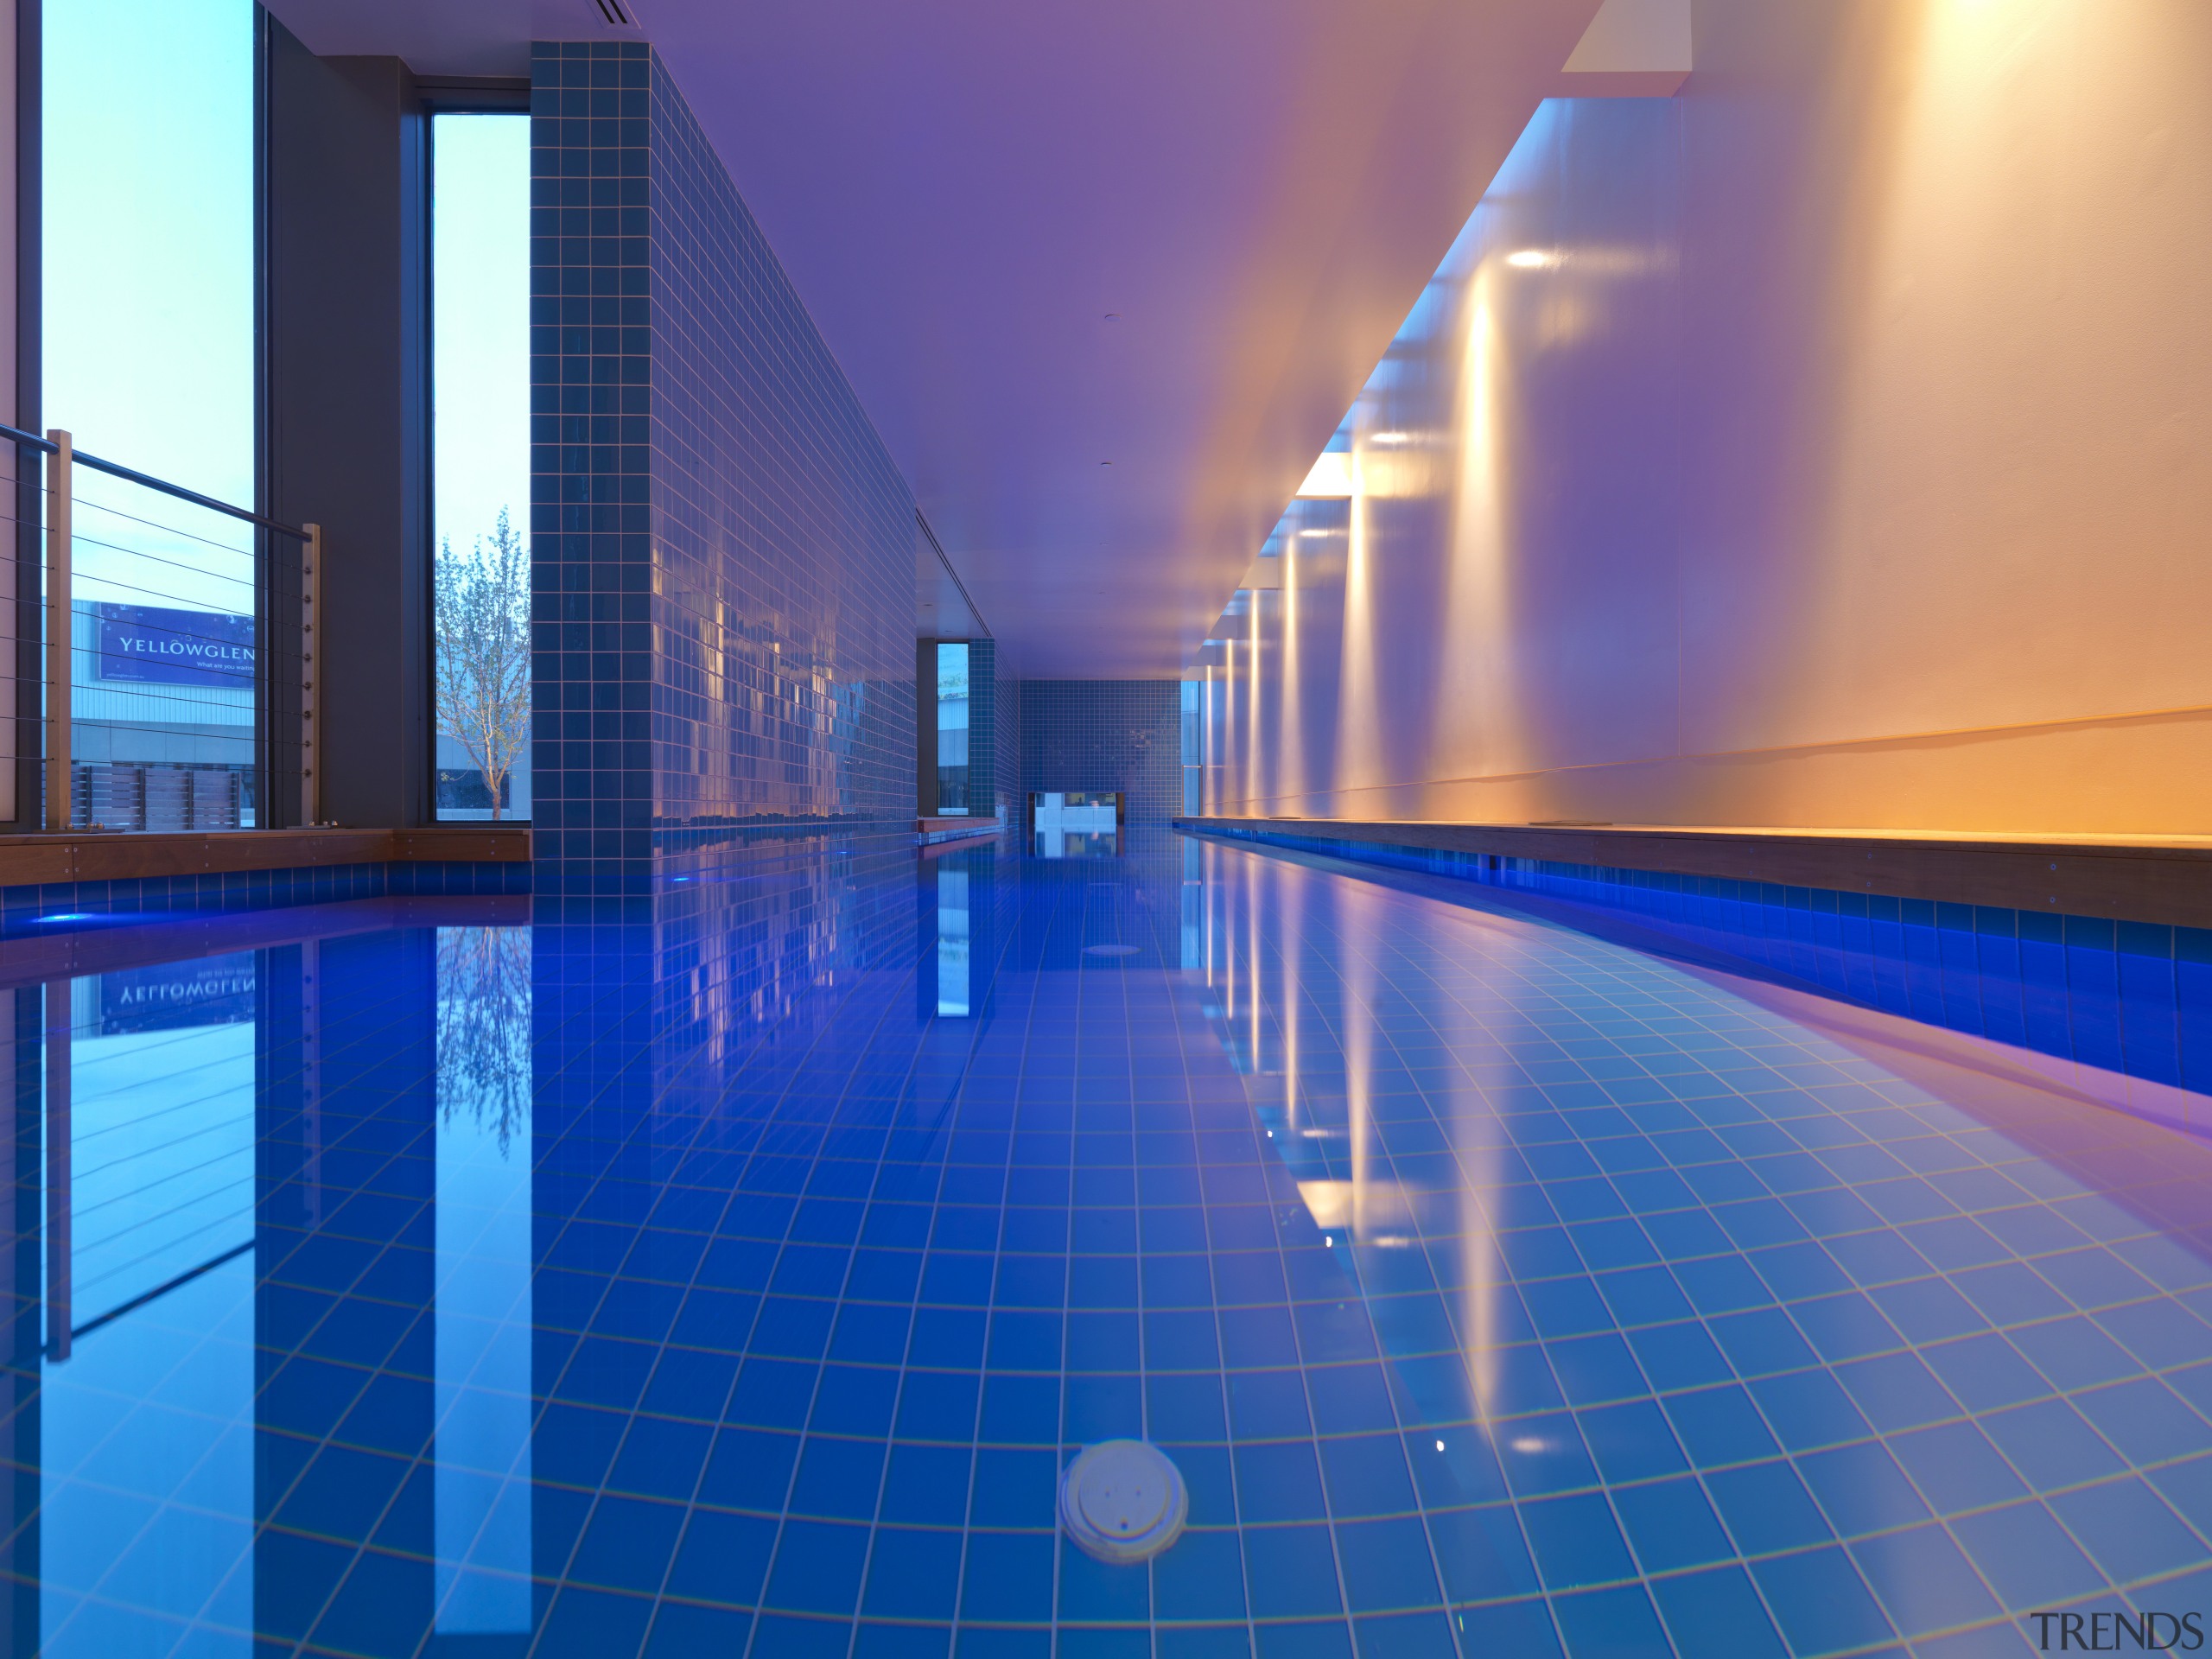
point(1123, 1501)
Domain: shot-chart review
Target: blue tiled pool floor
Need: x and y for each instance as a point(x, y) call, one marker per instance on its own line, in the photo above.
point(734, 1274)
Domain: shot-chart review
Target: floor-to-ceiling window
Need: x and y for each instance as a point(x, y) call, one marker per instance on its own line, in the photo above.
point(479, 231)
point(148, 356)
point(952, 728)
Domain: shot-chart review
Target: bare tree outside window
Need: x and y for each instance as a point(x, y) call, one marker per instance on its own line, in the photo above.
point(483, 622)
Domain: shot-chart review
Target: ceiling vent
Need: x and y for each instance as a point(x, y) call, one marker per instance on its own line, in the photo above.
point(616, 13)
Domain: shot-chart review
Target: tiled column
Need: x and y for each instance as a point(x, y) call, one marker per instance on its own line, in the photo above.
point(722, 557)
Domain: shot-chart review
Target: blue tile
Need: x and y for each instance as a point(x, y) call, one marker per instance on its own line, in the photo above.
point(2127, 1529)
point(914, 1573)
point(1717, 1611)
point(817, 1567)
point(1820, 1601)
point(1576, 1541)
point(722, 1558)
point(1767, 1508)
point(1008, 1577)
point(1620, 1620)
point(2025, 1556)
point(1290, 1571)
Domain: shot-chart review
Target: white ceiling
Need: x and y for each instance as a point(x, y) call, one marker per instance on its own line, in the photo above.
point(963, 190)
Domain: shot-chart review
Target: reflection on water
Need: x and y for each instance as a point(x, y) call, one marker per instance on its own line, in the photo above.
point(1076, 843)
point(735, 1271)
point(481, 1450)
point(1071, 825)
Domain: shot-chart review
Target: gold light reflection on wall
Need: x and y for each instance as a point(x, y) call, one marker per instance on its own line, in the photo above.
point(1252, 718)
point(1209, 802)
point(1953, 374)
point(1290, 749)
point(1478, 718)
point(1359, 718)
point(1230, 737)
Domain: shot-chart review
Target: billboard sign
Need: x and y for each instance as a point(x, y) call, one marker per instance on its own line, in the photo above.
point(153, 644)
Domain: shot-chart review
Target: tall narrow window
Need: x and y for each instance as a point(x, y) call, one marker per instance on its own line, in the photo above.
point(148, 360)
point(952, 730)
point(479, 229)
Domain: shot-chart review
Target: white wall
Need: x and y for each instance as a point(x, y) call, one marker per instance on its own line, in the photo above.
point(1839, 454)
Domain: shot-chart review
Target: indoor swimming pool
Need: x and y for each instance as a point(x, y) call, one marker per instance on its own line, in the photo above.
point(738, 1272)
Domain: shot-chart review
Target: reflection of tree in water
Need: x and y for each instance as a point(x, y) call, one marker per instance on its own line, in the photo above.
point(483, 1025)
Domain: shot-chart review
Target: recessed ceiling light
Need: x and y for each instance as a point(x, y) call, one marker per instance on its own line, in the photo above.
point(1331, 477)
point(1532, 258)
point(1392, 437)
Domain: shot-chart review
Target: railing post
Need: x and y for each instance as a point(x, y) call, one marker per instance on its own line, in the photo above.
point(310, 694)
point(61, 633)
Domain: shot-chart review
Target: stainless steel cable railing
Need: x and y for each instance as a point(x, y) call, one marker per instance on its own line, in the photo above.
point(158, 654)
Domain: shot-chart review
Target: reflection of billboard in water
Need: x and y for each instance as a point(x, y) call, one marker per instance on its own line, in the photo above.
point(213, 991)
point(160, 646)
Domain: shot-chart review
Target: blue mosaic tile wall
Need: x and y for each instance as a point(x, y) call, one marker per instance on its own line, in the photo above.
point(1006, 756)
point(1106, 734)
point(994, 735)
point(982, 727)
point(2130, 997)
point(723, 549)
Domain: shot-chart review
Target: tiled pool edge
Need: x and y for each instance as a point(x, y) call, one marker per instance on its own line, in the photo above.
point(2128, 997)
point(44, 907)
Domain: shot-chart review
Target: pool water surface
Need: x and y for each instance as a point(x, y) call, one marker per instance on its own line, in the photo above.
point(738, 1271)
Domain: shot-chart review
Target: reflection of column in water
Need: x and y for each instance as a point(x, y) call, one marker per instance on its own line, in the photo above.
point(1193, 902)
point(59, 1254)
point(20, 1184)
point(1252, 920)
point(1212, 869)
point(1290, 911)
point(311, 1080)
point(1229, 960)
point(1474, 1131)
point(1358, 981)
point(482, 1444)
